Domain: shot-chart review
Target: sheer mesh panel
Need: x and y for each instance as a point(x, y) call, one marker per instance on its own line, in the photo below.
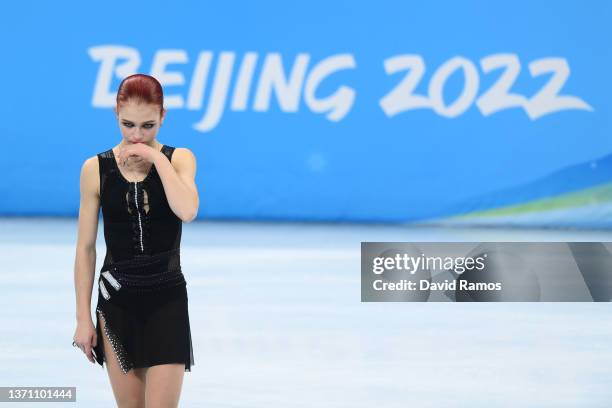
point(103, 168)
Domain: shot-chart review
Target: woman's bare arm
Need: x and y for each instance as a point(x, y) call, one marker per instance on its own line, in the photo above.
point(85, 260)
point(178, 179)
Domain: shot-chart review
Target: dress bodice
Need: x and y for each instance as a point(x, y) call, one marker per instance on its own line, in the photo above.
point(138, 221)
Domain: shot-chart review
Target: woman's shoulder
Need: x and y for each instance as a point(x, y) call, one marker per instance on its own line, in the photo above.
point(182, 151)
point(94, 165)
point(90, 174)
point(182, 154)
point(100, 159)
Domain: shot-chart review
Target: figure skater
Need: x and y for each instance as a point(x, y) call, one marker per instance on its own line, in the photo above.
point(146, 190)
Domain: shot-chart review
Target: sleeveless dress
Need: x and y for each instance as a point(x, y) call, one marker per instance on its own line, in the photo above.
point(142, 293)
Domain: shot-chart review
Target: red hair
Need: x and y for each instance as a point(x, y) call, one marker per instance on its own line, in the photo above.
point(142, 89)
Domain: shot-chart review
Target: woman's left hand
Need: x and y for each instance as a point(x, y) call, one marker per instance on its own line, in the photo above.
point(138, 151)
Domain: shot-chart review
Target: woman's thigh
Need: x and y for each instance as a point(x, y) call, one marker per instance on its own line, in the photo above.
point(164, 383)
point(129, 388)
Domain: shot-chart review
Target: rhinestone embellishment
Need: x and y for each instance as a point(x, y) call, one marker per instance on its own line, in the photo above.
point(138, 211)
point(104, 291)
point(118, 349)
point(111, 279)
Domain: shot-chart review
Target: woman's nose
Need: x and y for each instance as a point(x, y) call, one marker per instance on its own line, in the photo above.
point(138, 135)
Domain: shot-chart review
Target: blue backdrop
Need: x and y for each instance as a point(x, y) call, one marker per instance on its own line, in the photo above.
point(468, 111)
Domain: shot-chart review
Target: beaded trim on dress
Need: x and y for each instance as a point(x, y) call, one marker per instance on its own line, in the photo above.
point(118, 349)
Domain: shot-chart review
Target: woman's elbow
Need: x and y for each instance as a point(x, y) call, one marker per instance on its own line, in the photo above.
point(190, 216)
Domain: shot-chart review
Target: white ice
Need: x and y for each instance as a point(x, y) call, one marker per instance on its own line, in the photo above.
point(277, 322)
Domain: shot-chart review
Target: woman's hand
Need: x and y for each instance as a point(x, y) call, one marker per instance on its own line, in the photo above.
point(138, 152)
point(86, 338)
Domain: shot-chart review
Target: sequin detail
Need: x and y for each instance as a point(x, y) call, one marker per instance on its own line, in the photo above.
point(140, 219)
point(111, 280)
point(138, 212)
point(103, 290)
point(118, 349)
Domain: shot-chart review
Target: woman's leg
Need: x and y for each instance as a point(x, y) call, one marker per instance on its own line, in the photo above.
point(164, 383)
point(129, 389)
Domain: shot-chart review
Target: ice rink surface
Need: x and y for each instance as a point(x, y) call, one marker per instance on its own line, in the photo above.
point(277, 322)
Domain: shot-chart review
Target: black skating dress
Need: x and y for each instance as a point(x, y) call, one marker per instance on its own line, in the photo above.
point(142, 293)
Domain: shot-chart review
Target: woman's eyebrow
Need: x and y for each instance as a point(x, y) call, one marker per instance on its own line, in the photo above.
point(127, 120)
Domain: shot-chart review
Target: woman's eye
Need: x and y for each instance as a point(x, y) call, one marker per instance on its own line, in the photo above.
point(146, 126)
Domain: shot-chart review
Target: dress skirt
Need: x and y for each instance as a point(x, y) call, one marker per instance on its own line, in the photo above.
point(145, 327)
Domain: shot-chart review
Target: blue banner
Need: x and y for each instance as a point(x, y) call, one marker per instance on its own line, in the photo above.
point(468, 112)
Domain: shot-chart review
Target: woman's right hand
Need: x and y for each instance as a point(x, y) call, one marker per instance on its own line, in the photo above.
point(85, 338)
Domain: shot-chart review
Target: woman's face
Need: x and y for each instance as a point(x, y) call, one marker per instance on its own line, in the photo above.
point(139, 122)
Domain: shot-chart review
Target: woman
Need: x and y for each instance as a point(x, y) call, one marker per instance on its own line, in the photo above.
point(146, 191)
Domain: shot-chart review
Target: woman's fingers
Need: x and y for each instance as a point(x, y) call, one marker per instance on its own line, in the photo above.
point(87, 347)
point(88, 353)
